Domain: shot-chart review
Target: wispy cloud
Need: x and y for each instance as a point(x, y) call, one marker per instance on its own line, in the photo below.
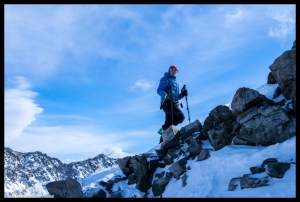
point(81, 137)
point(286, 24)
point(239, 15)
point(20, 109)
point(143, 84)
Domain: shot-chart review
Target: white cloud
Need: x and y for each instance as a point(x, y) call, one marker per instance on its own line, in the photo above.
point(285, 27)
point(20, 109)
point(85, 141)
point(143, 84)
point(238, 15)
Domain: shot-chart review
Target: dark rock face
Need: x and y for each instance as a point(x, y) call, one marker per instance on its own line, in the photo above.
point(267, 126)
point(159, 186)
point(68, 188)
point(271, 79)
point(271, 167)
point(284, 71)
point(246, 98)
point(277, 170)
point(100, 194)
point(190, 129)
point(139, 170)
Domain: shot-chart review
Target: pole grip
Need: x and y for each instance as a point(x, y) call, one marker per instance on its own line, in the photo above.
point(183, 88)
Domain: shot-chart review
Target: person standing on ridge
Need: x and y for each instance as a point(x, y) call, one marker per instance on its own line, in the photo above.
point(170, 100)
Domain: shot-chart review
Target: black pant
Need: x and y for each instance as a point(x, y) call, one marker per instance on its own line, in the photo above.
point(178, 116)
point(172, 109)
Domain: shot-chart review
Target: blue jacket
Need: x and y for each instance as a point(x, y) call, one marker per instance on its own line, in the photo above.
point(164, 87)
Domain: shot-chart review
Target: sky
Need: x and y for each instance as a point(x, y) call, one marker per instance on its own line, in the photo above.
point(81, 79)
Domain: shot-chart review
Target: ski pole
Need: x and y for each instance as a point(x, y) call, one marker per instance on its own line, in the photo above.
point(171, 93)
point(187, 105)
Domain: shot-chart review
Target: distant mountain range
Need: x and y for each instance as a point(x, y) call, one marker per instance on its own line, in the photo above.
point(31, 171)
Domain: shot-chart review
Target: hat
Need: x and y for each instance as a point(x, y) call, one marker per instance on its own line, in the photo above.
point(172, 66)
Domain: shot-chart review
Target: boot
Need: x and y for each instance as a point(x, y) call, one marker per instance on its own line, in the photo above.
point(161, 131)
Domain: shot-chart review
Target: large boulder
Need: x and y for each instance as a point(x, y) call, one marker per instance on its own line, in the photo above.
point(246, 98)
point(284, 71)
point(266, 125)
point(68, 188)
point(190, 129)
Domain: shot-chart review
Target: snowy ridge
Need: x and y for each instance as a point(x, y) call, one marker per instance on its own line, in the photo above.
point(28, 173)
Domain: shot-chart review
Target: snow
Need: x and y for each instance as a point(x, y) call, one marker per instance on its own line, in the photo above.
point(210, 178)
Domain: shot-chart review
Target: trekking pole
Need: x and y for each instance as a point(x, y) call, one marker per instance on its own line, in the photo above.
point(171, 93)
point(187, 105)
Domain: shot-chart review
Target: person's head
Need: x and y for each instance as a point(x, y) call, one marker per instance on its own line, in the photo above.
point(173, 70)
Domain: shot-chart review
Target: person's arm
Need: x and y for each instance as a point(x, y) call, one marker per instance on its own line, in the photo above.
point(183, 93)
point(180, 96)
point(162, 86)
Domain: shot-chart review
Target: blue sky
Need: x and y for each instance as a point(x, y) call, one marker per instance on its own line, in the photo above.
point(80, 80)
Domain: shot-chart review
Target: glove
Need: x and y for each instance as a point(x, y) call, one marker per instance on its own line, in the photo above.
point(184, 93)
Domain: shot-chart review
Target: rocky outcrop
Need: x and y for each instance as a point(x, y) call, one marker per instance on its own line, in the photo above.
point(180, 155)
point(136, 168)
point(284, 71)
point(271, 79)
point(271, 167)
point(265, 125)
point(252, 120)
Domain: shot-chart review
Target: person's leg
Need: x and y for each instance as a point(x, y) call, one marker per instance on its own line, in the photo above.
point(168, 119)
point(178, 116)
